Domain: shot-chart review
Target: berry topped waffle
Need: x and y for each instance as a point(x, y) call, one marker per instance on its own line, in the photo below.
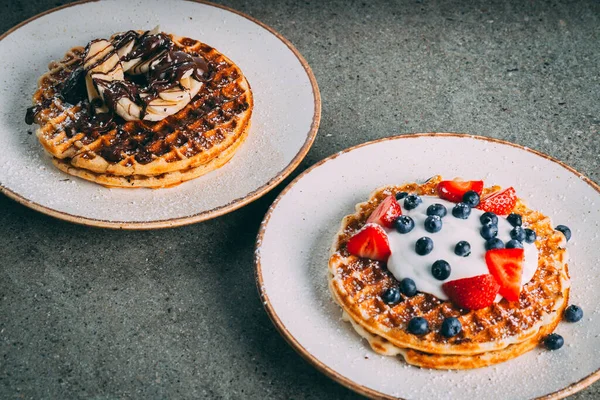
point(449, 274)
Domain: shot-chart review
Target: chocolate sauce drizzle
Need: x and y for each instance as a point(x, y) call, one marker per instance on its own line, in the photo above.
point(217, 104)
point(165, 74)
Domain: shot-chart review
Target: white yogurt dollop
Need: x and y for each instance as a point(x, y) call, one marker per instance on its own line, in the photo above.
point(406, 263)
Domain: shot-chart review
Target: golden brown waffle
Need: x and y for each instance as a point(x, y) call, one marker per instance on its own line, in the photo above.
point(196, 140)
point(357, 285)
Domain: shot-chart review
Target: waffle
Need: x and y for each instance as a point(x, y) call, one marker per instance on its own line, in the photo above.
point(199, 138)
point(489, 335)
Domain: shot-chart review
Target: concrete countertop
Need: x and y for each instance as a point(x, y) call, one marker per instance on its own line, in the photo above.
point(93, 313)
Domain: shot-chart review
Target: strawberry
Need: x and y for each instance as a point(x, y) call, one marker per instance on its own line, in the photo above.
point(454, 190)
point(500, 203)
point(472, 293)
point(370, 242)
point(386, 212)
point(506, 266)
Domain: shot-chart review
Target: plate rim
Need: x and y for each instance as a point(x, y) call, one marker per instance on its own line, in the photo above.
point(204, 215)
point(320, 366)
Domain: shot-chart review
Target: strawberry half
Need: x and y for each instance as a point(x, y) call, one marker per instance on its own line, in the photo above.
point(506, 266)
point(472, 293)
point(386, 212)
point(454, 190)
point(370, 242)
point(500, 203)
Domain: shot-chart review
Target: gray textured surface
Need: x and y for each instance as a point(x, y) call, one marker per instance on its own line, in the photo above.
point(89, 313)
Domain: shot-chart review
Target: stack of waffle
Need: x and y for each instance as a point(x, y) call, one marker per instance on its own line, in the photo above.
point(490, 335)
point(103, 119)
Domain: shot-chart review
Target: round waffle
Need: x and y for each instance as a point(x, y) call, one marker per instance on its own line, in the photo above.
point(199, 138)
point(490, 335)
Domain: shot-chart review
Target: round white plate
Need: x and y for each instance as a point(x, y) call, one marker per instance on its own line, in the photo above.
point(284, 122)
point(293, 249)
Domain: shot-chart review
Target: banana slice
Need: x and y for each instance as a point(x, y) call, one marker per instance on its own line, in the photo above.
point(128, 110)
point(151, 115)
point(175, 95)
point(128, 65)
point(143, 67)
point(124, 50)
point(165, 104)
point(103, 64)
point(101, 57)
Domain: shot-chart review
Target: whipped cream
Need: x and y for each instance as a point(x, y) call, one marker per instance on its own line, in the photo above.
point(406, 263)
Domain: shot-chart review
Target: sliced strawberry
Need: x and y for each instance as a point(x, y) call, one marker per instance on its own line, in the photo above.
point(500, 203)
point(472, 293)
point(506, 266)
point(454, 190)
point(370, 242)
point(386, 212)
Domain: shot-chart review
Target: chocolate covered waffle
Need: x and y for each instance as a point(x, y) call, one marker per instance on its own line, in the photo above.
point(449, 274)
point(142, 109)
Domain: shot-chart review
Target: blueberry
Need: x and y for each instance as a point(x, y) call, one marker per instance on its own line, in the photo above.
point(440, 270)
point(494, 243)
point(451, 327)
point(424, 246)
point(437, 209)
point(462, 248)
point(530, 235)
point(488, 218)
point(573, 313)
point(554, 341)
point(433, 224)
point(401, 195)
point(514, 244)
point(514, 219)
point(418, 326)
point(565, 231)
point(412, 201)
point(489, 231)
point(471, 198)
point(404, 224)
point(518, 233)
point(408, 287)
point(391, 296)
point(461, 210)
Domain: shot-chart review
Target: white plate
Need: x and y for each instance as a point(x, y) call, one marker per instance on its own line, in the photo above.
point(293, 249)
point(284, 122)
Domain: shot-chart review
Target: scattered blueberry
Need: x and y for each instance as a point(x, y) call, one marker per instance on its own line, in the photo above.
point(451, 327)
point(530, 235)
point(412, 201)
point(471, 198)
point(391, 296)
point(494, 243)
point(514, 219)
point(440, 270)
point(433, 224)
point(489, 218)
point(518, 233)
point(408, 287)
point(424, 246)
point(461, 210)
point(462, 248)
point(401, 195)
point(514, 244)
point(437, 209)
point(418, 326)
point(404, 224)
point(489, 231)
point(554, 341)
point(565, 231)
point(573, 313)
